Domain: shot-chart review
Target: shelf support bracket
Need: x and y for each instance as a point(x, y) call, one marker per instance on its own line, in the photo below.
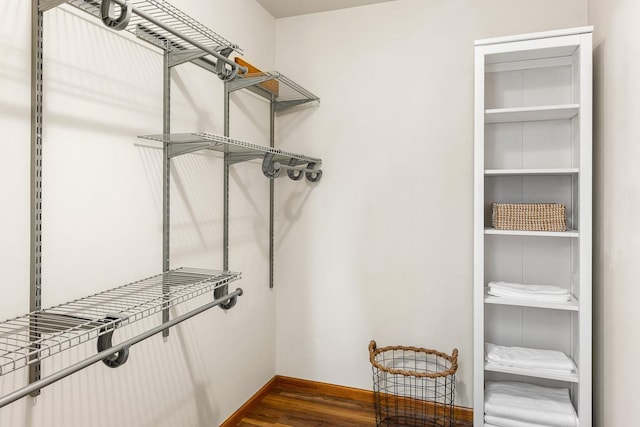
point(180, 57)
point(283, 105)
point(44, 5)
point(246, 82)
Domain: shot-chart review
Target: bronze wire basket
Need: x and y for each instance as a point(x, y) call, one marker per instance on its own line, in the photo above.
point(413, 386)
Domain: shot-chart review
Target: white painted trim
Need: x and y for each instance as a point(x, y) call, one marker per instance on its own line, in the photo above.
point(535, 36)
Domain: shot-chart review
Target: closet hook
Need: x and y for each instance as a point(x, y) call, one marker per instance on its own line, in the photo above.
point(231, 302)
point(294, 174)
point(119, 23)
point(269, 167)
point(221, 68)
point(314, 175)
point(104, 342)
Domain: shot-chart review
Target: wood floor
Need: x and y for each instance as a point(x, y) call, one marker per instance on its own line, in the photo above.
point(291, 405)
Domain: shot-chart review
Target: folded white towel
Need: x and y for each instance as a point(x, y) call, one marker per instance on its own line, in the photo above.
point(529, 289)
point(528, 297)
point(506, 422)
point(529, 358)
point(530, 404)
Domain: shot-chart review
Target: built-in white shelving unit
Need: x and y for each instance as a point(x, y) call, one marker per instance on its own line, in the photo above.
point(533, 116)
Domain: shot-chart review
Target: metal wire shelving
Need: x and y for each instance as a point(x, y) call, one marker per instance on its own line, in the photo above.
point(271, 85)
point(274, 159)
point(165, 26)
point(30, 338)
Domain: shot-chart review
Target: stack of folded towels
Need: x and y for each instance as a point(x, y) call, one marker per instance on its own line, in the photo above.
point(544, 361)
point(510, 404)
point(529, 292)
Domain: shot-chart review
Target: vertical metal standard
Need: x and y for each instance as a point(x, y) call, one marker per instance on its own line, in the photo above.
point(166, 177)
point(221, 291)
point(35, 293)
point(272, 187)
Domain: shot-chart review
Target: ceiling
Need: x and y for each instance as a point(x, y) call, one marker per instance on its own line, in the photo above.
point(284, 8)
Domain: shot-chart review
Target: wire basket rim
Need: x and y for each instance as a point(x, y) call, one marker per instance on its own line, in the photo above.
point(452, 358)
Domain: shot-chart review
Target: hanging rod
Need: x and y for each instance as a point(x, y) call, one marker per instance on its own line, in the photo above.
point(241, 151)
point(180, 26)
point(63, 373)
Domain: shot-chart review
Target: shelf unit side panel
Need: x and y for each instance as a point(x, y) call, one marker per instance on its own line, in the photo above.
point(479, 238)
point(585, 219)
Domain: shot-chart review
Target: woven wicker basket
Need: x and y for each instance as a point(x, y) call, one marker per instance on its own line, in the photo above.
point(529, 216)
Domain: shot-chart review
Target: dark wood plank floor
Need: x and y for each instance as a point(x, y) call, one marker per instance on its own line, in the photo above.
point(293, 407)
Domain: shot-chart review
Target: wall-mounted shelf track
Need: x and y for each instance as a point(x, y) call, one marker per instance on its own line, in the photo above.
point(26, 340)
point(68, 325)
point(167, 27)
point(240, 151)
point(282, 93)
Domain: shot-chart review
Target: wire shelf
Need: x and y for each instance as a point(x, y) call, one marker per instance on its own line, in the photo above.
point(285, 90)
point(182, 143)
point(30, 338)
point(169, 15)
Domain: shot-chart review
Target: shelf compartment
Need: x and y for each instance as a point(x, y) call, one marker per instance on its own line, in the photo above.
point(536, 373)
point(239, 151)
point(569, 233)
point(182, 34)
point(531, 172)
point(571, 305)
point(531, 114)
point(30, 338)
point(272, 85)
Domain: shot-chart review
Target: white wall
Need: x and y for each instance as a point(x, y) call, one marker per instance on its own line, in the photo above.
point(102, 215)
point(616, 206)
point(381, 248)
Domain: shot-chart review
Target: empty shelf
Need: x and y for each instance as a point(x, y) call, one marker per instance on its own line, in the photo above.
point(239, 151)
point(531, 172)
point(531, 114)
point(172, 30)
point(571, 377)
point(35, 336)
point(272, 85)
point(571, 305)
point(568, 233)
